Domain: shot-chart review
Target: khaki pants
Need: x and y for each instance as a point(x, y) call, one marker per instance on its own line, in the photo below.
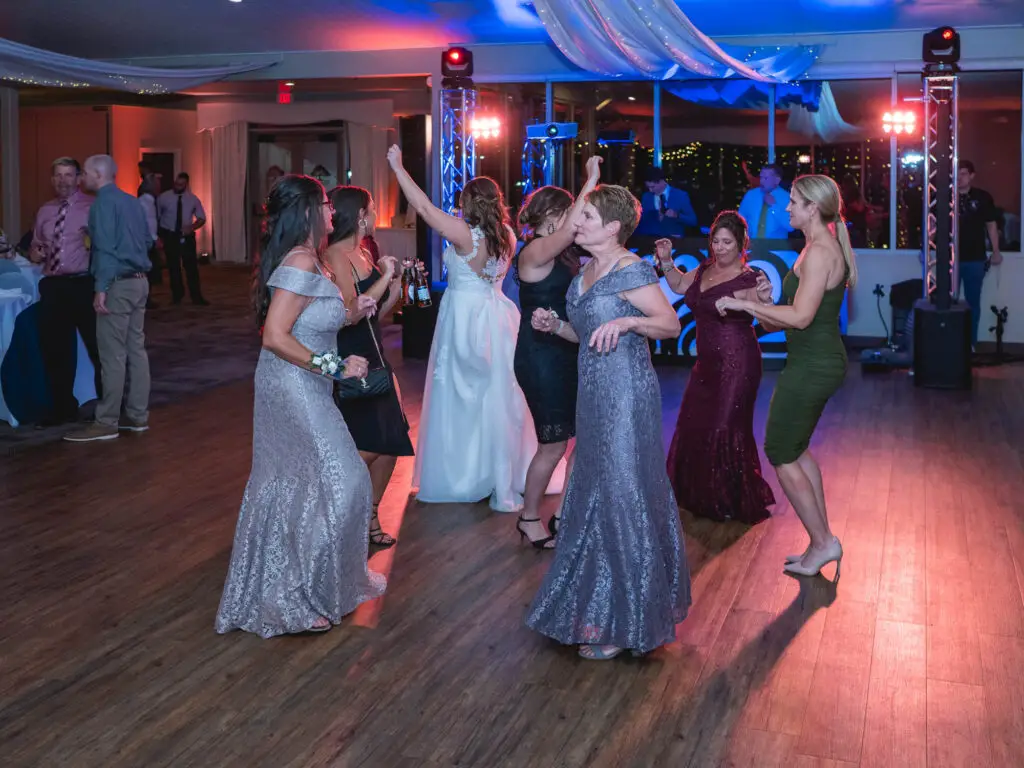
point(121, 340)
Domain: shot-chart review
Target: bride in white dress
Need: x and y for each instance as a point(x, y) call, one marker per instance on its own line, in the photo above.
point(476, 436)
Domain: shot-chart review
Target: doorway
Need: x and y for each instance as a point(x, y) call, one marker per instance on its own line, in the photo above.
point(165, 163)
point(319, 151)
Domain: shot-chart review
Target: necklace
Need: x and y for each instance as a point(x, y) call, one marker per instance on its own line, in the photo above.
point(717, 275)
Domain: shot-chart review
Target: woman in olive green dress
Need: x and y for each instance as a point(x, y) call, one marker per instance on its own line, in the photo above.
point(816, 358)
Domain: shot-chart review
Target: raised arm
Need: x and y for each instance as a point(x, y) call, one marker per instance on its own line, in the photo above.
point(678, 280)
point(453, 229)
point(543, 250)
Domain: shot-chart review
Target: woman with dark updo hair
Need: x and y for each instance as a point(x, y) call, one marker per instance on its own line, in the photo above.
point(713, 461)
point(298, 563)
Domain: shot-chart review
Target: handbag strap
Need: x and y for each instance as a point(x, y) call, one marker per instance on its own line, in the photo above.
point(369, 323)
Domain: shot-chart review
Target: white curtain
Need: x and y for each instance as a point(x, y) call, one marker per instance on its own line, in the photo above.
point(368, 148)
point(369, 112)
point(826, 123)
point(34, 66)
point(654, 39)
point(229, 157)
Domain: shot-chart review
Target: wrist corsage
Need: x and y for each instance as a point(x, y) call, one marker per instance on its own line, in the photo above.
point(327, 364)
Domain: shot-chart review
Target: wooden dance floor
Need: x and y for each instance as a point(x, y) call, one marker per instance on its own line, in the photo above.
point(114, 554)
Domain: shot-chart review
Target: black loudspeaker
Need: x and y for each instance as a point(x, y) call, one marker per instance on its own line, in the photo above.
point(418, 329)
point(942, 346)
point(412, 132)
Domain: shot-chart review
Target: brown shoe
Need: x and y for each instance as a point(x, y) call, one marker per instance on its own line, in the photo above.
point(133, 426)
point(92, 432)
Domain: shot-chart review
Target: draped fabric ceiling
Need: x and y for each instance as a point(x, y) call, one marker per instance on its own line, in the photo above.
point(812, 107)
point(33, 66)
point(654, 39)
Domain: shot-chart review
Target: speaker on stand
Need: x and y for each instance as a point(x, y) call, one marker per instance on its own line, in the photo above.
point(412, 132)
point(942, 323)
point(417, 322)
point(942, 345)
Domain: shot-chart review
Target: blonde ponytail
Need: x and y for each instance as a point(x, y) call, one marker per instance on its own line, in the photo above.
point(824, 192)
point(843, 236)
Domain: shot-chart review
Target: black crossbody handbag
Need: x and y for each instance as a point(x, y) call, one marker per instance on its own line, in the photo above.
point(377, 381)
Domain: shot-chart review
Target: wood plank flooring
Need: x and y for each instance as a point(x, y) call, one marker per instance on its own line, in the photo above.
point(112, 559)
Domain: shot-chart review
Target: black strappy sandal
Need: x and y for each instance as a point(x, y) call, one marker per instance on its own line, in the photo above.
point(537, 543)
point(377, 536)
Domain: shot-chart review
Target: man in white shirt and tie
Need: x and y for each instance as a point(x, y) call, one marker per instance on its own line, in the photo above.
point(764, 207)
point(179, 214)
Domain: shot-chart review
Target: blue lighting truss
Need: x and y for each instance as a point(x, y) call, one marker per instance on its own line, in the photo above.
point(458, 150)
point(542, 154)
point(535, 165)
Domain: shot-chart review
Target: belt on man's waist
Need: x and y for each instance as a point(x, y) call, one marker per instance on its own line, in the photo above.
point(72, 274)
point(131, 276)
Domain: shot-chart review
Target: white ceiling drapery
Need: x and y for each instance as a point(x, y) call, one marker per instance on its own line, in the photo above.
point(23, 64)
point(655, 39)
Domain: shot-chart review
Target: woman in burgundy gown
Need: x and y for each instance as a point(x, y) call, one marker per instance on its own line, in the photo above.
point(713, 461)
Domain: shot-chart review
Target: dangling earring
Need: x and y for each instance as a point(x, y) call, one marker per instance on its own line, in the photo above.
point(362, 223)
point(551, 229)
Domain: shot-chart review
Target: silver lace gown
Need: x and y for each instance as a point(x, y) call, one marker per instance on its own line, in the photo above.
point(301, 541)
point(619, 575)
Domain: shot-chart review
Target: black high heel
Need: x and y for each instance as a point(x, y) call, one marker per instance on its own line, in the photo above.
point(377, 536)
point(553, 524)
point(537, 543)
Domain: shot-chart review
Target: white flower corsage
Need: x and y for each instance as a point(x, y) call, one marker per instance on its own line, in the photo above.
point(327, 364)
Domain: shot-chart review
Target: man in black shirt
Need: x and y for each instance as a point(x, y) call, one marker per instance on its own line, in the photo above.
point(978, 220)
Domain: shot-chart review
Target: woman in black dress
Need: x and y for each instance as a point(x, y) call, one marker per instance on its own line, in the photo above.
point(377, 424)
point(545, 364)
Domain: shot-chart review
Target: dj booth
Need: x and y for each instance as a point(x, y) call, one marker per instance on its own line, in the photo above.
point(772, 257)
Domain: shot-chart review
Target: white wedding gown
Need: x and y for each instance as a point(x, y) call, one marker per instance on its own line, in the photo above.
point(476, 436)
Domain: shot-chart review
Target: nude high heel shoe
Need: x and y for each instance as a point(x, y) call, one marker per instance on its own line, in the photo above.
point(818, 560)
point(798, 558)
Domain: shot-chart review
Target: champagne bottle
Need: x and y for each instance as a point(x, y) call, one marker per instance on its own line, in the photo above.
point(422, 289)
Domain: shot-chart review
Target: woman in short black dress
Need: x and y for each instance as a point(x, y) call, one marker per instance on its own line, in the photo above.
point(545, 364)
point(377, 424)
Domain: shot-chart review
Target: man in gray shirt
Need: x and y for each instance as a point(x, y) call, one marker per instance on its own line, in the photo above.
point(120, 261)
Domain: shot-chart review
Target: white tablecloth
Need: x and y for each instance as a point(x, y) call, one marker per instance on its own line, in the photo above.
point(11, 305)
point(10, 308)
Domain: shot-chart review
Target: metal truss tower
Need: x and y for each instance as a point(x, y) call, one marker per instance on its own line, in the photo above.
point(458, 150)
point(535, 165)
point(941, 208)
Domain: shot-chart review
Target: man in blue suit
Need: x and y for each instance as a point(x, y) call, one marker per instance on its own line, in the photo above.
point(666, 211)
